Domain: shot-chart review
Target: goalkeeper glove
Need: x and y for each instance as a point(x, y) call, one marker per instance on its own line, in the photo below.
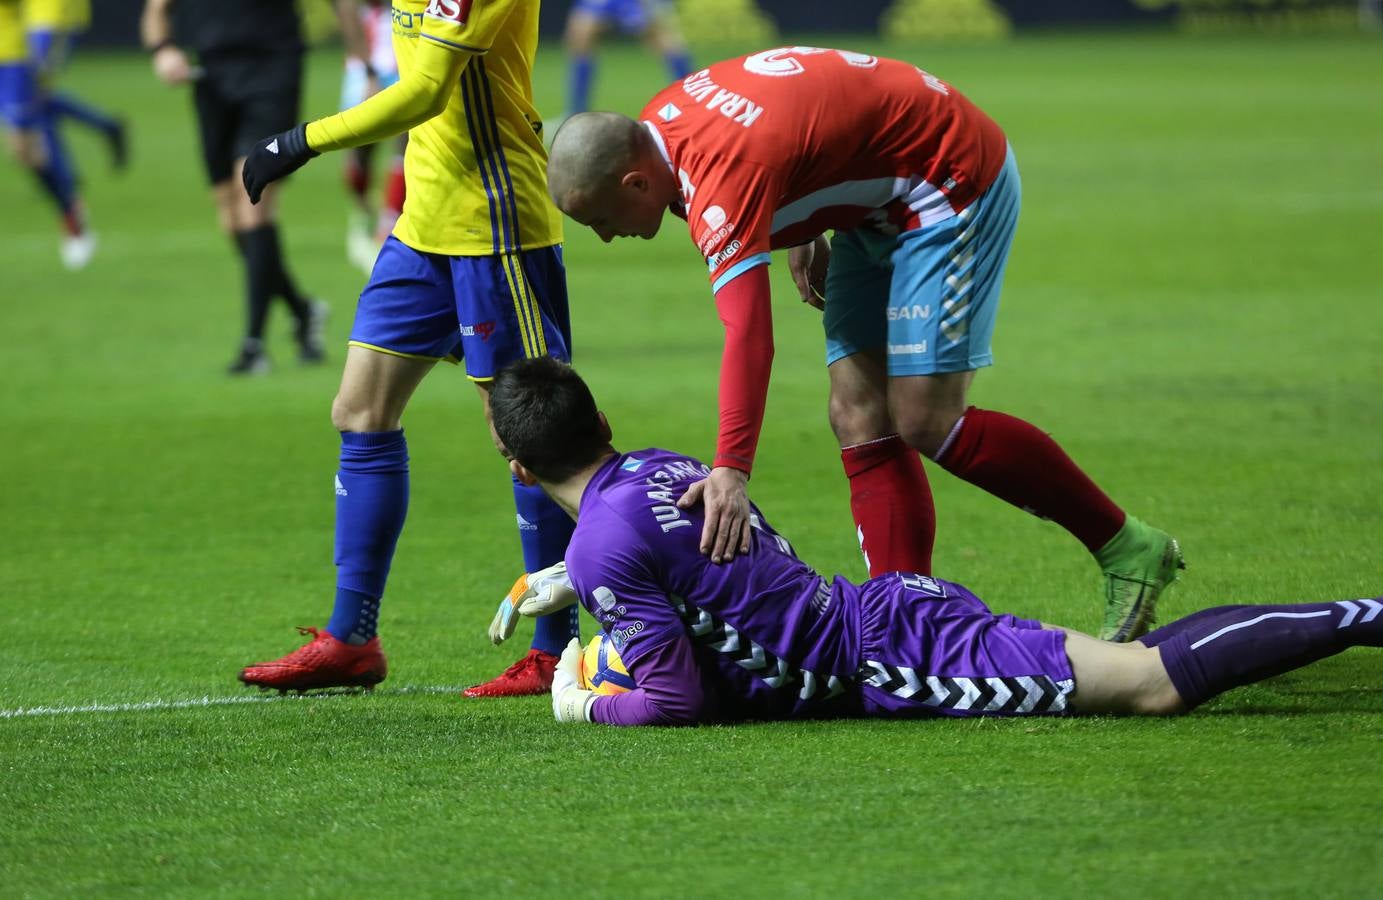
point(569, 702)
point(274, 158)
point(534, 594)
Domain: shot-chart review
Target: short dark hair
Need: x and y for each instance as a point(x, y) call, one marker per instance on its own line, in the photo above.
point(546, 418)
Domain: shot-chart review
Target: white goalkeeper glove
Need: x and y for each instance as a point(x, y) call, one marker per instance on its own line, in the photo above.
point(534, 594)
point(570, 703)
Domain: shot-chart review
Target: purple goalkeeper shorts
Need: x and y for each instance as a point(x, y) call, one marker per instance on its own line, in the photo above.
point(930, 647)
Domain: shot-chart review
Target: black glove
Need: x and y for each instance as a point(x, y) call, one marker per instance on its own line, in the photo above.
point(274, 158)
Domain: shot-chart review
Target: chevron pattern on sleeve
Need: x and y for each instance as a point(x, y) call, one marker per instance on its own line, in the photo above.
point(1016, 695)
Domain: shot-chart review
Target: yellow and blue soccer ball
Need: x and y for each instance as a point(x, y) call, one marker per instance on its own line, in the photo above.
point(602, 670)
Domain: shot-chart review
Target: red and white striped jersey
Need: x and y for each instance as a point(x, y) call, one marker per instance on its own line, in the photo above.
point(774, 148)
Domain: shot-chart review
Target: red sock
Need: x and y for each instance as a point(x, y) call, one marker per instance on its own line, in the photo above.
point(892, 505)
point(357, 178)
point(394, 188)
point(1018, 463)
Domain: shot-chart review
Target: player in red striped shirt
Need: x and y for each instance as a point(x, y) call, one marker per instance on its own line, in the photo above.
point(773, 150)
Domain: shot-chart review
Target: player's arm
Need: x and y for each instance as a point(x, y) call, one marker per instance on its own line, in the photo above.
point(668, 689)
point(446, 44)
point(743, 301)
point(156, 32)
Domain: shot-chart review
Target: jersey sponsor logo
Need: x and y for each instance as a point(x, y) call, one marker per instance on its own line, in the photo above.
point(669, 112)
point(905, 349)
point(406, 22)
point(716, 260)
point(709, 238)
point(899, 313)
point(735, 107)
point(483, 329)
point(934, 83)
point(457, 11)
point(714, 216)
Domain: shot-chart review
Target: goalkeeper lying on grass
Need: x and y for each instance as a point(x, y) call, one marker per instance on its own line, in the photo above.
point(764, 636)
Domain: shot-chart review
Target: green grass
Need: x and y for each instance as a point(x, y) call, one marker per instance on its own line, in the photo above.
point(1192, 308)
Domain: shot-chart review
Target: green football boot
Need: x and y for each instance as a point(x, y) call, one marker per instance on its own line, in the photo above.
point(1139, 563)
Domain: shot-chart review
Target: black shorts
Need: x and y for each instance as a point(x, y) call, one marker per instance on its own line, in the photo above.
point(241, 99)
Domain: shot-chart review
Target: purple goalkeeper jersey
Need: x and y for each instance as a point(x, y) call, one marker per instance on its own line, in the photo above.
point(762, 636)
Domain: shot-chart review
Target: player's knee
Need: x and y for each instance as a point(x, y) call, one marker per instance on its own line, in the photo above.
point(856, 420)
point(1159, 697)
point(925, 429)
point(348, 414)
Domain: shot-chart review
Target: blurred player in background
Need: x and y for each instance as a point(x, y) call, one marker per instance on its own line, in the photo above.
point(765, 637)
point(770, 151)
point(33, 137)
point(53, 27)
point(247, 81)
point(370, 67)
point(655, 21)
point(472, 273)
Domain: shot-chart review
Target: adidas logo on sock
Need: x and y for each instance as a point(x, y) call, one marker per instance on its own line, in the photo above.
point(524, 524)
point(340, 488)
point(273, 147)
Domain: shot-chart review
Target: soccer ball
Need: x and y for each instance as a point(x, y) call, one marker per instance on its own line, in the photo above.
point(602, 670)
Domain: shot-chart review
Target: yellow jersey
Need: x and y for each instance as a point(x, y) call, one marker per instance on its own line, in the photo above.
point(13, 48)
point(477, 169)
point(65, 16)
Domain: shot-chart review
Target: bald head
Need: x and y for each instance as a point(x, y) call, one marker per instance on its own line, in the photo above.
point(590, 153)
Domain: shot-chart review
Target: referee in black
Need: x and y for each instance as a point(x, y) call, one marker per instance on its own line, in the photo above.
point(247, 82)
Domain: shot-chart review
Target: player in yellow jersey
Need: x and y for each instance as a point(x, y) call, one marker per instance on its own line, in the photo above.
point(472, 273)
point(34, 140)
point(53, 27)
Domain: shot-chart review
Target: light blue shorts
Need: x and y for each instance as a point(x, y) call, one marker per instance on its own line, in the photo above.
point(926, 297)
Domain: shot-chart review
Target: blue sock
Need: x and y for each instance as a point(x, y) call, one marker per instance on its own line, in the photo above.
point(579, 76)
point(544, 530)
point(58, 177)
point(371, 504)
point(679, 64)
point(67, 106)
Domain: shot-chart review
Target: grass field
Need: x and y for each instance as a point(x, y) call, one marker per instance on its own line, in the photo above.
point(1193, 308)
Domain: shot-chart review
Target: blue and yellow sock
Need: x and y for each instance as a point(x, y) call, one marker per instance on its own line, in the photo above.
point(371, 505)
point(545, 530)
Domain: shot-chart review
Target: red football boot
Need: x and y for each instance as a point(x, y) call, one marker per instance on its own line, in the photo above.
point(324, 662)
point(530, 675)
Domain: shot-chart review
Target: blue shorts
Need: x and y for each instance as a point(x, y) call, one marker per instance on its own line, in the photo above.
point(20, 103)
point(630, 16)
point(486, 310)
point(926, 297)
point(932, 648)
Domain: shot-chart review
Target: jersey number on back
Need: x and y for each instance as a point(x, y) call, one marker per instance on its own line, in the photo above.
point(784, 60)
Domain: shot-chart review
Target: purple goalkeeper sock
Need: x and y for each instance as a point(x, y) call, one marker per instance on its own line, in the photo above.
point(1244, 644)
point(1195, 620)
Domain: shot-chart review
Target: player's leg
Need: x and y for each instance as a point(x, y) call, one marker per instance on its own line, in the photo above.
point(405, 322)
point(945, 297)
point(395, 190)
point(56, 47)
point(663, 34)
point(269, 100)
point(35, 143)
point(580, 38)
point(357, 174)
point(1214, 650)
point(514, 306)
point(890, 500)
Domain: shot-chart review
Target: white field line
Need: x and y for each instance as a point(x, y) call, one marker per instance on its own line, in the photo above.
point(196, 702)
